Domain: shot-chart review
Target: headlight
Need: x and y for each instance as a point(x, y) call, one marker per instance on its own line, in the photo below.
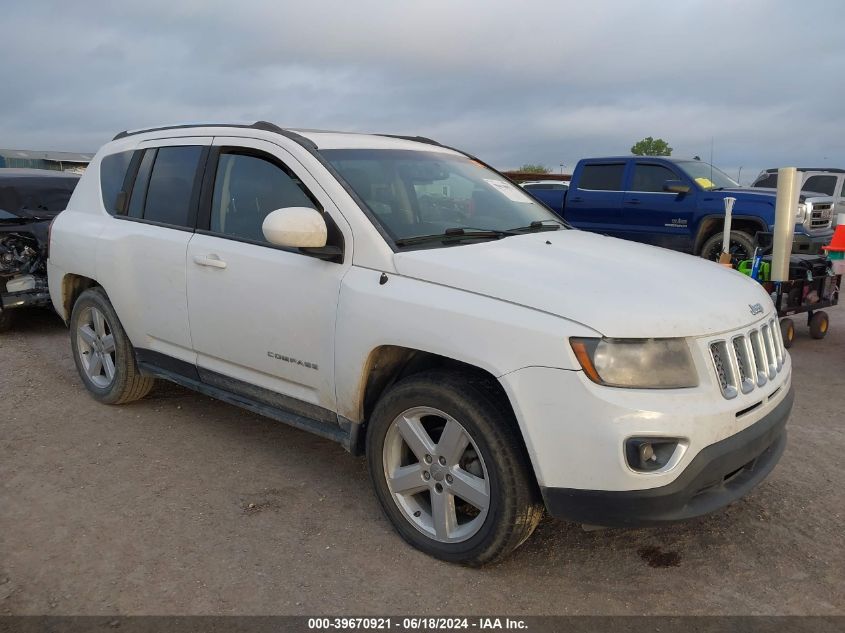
point(637, 363)
point(803, 212)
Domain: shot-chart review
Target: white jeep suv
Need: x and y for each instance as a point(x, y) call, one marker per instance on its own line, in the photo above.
point(407, 301)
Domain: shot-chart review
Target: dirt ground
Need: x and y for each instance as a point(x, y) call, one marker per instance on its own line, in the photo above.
point(180, 504)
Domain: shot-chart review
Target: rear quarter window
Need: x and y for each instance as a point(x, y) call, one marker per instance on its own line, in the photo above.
point(112, 174)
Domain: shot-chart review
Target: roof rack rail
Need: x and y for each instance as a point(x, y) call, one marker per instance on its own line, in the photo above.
point(418, 139)
point(832, 170)
point(258, 125)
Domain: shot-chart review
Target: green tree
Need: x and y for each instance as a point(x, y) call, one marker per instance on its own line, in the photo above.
point(528, 168)
point(651, 147)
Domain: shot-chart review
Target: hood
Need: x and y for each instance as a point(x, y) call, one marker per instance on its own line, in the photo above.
point(618, 288)
point(757, 192)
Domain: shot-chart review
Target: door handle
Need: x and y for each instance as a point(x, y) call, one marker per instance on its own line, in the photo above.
point(633, 201)
point(209, 260)
point(577, 199)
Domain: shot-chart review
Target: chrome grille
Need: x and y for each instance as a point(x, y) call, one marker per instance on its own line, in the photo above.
point(748, 360)
point(721, 361)
point(745, 364)
point(821, 216)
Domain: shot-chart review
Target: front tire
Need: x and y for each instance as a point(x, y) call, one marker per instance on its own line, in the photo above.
point(450, 469)
point(103, 353)
point(741, 247)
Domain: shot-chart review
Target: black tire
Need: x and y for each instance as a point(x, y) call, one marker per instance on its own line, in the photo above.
point(6, 319)
point(741, 247)
point(819, 324)
point(127, 383)
point(514, 508)
point(787, 330)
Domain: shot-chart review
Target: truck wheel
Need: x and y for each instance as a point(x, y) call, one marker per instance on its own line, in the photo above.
point(6, 318)
point(103, 353)
point(741, 247)
point(787, 330)
point(819, 324)
point(450, 469)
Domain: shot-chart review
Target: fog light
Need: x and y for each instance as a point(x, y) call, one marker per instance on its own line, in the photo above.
point(646, 454)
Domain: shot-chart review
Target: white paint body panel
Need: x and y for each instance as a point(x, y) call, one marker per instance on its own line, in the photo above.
point(507, 307)
point(619, 288)
point(268, 304)
point(575, 430)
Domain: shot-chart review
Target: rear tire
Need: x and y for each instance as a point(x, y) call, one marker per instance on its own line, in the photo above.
point(819, 324)
point(741, 247)
point(787, 330)
point(6, 319)
point(103, 353)
point(449, 434)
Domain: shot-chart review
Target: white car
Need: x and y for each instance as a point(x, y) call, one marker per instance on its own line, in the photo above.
point(407, 301)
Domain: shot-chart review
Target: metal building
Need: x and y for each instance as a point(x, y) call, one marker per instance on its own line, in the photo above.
point(33, 159)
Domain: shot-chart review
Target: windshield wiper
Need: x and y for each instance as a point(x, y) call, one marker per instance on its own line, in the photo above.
point(456, 235)
point(538, 225)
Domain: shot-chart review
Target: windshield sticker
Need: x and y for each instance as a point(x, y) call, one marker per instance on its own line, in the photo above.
point(508, 190)
point(705, 183)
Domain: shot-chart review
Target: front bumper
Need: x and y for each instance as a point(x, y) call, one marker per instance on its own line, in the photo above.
point(811, 244)
point(25, 299)
point(718, 475)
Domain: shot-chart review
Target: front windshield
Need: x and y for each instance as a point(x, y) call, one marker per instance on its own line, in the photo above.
point(706, 176)
point(415, 193)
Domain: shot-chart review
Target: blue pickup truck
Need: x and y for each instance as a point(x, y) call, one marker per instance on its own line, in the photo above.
point(679, 204)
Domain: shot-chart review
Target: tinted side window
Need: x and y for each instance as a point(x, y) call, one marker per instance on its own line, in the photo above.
point(112, 174)
point(246, 189)
point(170, 191)
point(651, 177)
point(842, 193)
point(769, 181)
point(602, 177)
point(820, 184)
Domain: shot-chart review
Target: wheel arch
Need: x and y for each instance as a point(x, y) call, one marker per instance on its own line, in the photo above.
point(388, 364)
point(72, 287)
point(710, 225)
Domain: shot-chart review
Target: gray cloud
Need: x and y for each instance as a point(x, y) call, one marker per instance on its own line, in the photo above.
point(511, 81)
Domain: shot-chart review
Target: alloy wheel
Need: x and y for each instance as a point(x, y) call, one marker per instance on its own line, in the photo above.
point(436, 474)
point(96, 347)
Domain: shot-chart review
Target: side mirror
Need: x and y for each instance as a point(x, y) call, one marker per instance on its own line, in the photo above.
point(295, 227)
point(676, 186)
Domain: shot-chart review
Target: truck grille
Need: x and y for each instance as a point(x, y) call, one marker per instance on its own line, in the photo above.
point(822, 216)
point(748, 361)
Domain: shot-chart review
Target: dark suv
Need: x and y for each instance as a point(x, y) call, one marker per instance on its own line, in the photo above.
point(29, 200)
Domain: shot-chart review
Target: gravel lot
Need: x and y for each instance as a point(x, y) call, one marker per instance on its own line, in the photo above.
point(180, 504)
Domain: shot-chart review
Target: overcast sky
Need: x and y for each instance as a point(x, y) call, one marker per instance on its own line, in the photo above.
point(512, 82)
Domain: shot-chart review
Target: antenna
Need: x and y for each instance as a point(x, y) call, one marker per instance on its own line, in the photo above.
point(711, 161)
